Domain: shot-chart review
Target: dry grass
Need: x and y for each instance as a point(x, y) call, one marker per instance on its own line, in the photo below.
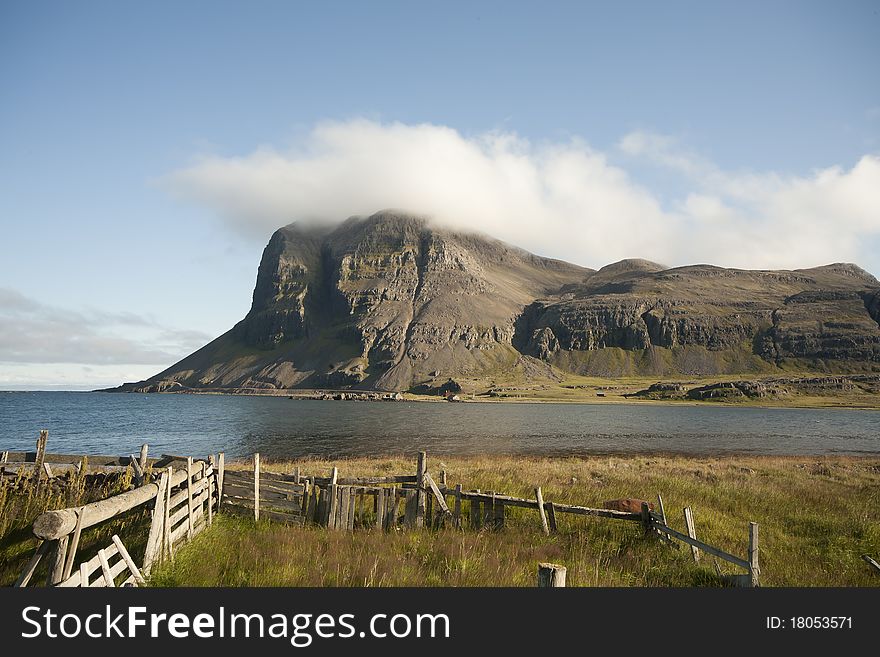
point(20, 504)
point(817, 516)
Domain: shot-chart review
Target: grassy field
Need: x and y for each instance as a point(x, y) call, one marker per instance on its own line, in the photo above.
point(20, 504)
point(816, 515)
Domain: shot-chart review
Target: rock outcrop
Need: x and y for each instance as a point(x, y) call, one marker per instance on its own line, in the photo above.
point(390, 302)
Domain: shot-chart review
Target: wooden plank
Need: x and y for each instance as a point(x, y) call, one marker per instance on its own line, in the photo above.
point(256, 486)
point(144, 461)
point(551, 516)
point(153, 549)
point(73, 546)
point(129, 562)
point(410, 508)
point(560, 508)
point(211, 494)
point(28, 572)
point(332, 499)
point(647, 520)
point(871, 562)
point(306, 496)
point(421, 495)
point(456, 514)
point(443, 478)
point(474, 513)
point(166, 525)
point(380, 509)
point(40, 459)
point(84, 575)
point(362, 508)
point(352, 507)
point(498, 519)
point(312, 509)
point(691, 531)
point(138, 474)
point(754, 568)
point(4, 457)
point(105, 568)
point(661, 509)
point(59, 557)
point(391, 503)
point(344, 501)
point(545, 527)
point(489, 511)
point(438, 496)
point(221, 473)
point(189, 497)
point(551, 575)
point(705, 547)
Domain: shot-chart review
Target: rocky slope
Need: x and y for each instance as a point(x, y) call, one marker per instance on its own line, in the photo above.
point(391, 302)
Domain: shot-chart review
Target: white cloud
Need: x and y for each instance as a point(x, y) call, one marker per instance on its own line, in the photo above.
point(565, 199)
point(35, 333)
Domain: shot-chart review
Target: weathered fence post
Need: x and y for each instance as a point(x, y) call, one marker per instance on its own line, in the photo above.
point(754, 568)
point(56, 572)
point(421, 494)
point(4, 457)
point(256, 486)
point(540, 497)
point(189, 498)
point(40, 458)
point(551, 575)
point(456, 515)
point(73, 545)
point(332, 494)
point(211, 488)
point(221, 467)
point(166, 520)
point(551, 516)
point(691, 532)
point(157, 527)
point(296, 475)
point(646, 518)
point(143, 460)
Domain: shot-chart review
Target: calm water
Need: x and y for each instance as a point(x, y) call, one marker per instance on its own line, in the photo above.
point(101, 423)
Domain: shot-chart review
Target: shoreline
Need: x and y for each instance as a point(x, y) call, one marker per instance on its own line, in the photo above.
point(810, 403)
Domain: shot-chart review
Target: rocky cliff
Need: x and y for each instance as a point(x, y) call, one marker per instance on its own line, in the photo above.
point(390, 302)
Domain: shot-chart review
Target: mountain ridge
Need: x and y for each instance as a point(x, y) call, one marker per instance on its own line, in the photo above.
point(390, 302)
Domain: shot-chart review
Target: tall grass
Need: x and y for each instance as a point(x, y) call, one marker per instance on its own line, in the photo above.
point(816, 516)
point(21, 502)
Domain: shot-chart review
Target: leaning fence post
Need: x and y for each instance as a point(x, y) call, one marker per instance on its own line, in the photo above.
point(421, 494)
point(754, 569)
point(73, 545)
point(551, 575)
point(545, 527)
point(691, 532)
point(257, 486)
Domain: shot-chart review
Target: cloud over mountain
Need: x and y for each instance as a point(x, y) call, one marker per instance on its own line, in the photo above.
point(564, 199)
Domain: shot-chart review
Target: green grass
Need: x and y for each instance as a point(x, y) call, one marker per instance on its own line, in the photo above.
point(816, 516)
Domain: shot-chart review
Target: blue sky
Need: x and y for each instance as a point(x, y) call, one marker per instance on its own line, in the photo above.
point(139, 143)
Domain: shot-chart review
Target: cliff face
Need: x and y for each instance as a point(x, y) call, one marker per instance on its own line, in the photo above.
point(390, 302)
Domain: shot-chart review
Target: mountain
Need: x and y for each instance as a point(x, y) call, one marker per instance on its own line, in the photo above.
point(391, 302)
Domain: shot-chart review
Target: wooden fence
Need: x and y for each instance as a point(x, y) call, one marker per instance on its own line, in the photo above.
point(389, 502)
point(184, 495)
point(183, 498)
